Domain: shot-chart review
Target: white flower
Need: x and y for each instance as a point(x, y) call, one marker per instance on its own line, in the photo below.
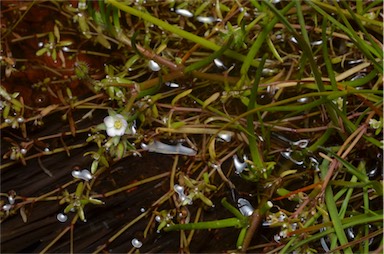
point(116, 125)
point(374, 123)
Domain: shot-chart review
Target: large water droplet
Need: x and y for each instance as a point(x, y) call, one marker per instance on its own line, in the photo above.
point(7, 207)
point(245, 207)
point(205, 19)
point(153, 65)
point(240, 166)
point(61, 217)
point(83, 174)
point(184, 12)
point(136, 243)
point(219, 63)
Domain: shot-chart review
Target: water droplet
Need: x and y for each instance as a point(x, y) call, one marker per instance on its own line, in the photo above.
point(142, 210)
point(84, 174)
point(315, 164)
point(40, 44)
point(20, 119)
point(23, 151)
point(219, 63)
point(240, 166)
point(46, 150)
point(355, 61)
point(7, 207)
point(303, 143)
point(316, 43)
point(172, 85)
point(245, 207)
point(65, 49)
point(205, 20)
point(61, 217)
point(185, 200)
point(282, 217)
point(268, 72)
point(294, 226)
point(11, 200)
point(178, 189)
point(288, 155)
point(136, 243)
point(159, 147)
point(303, 100)
point(351, 234)
point(153, 65)
point(358, 76)
point(225, 135)
point(158, 218)
point(7, 120)
point(293, 39)
point(184, 13)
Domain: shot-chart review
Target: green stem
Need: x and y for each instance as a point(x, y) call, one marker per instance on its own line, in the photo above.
point(309, 54)
point(232, 209)
point(257, 44)
point(253, 146)
point(327, 60)
point(175, 30)
point(225, 223)
point(210, 58)
point(333, 212)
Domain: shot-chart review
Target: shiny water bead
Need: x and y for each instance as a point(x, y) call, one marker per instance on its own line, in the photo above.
point(225, 135)
point(136, 243)
point(245, 207)
point(184, 12)
point(7, 207)
point(61, 217)
point(172, 85)
point(159, 147)
point(303, 143)
point(303, 100)
point(240, 166)
point(11, 200)
point(153, 65)
point(83, 174)
point(219, 63)
point(205, 19)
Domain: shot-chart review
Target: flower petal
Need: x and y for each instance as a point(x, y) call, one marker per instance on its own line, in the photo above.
point(111, 132)
point(109, 121)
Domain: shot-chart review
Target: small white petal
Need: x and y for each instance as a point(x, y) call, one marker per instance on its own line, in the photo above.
point(109, 121)
point(111, 132)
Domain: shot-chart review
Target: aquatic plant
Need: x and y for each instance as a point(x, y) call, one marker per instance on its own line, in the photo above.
point(129, 124)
